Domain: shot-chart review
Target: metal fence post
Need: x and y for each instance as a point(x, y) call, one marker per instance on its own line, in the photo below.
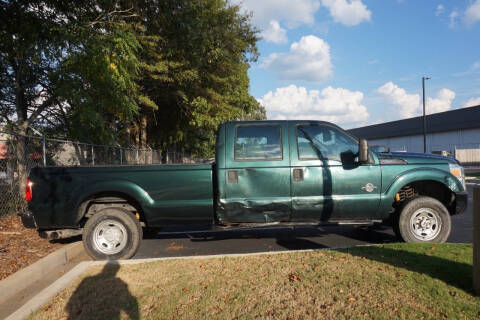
point(137, 156)
point(121, 156)
point(476, 239)
point(44, 148)
point(93, 157)
point(151, 155)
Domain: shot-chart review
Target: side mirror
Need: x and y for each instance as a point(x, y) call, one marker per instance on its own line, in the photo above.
point(362, 151)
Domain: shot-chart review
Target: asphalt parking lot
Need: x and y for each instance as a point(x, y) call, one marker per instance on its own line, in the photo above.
point(175, 242)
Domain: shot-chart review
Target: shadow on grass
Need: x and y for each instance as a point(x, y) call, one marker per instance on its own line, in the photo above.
point(103, 296)
point(454, 273)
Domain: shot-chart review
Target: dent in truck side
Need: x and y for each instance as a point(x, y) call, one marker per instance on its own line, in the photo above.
point(250, 189)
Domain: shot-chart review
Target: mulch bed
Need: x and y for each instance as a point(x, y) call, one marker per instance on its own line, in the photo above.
point(19, 246)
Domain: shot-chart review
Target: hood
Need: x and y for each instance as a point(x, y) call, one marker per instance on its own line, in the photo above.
point(412, 158)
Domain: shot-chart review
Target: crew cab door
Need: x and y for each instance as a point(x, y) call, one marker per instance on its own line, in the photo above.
point(257, 173)
point(327, 182)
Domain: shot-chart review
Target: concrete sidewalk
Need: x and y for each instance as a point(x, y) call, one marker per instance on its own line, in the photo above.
point(26, 283)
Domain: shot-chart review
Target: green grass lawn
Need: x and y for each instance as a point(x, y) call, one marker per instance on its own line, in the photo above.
point(404, 281)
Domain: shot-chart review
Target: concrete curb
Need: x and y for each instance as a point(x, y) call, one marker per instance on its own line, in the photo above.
point(21, 279)
point(46, 294)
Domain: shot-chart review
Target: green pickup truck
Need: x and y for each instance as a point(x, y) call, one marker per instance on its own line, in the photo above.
point(266, 173)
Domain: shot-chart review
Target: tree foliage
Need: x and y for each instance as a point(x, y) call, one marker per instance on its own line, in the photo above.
point(194, 67)
point(162, 73)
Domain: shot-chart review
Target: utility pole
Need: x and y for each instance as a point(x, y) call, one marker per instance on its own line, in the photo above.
point(424, 117)
point(476, 239)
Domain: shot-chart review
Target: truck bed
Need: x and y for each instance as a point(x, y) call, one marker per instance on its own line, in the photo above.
point(166, 193)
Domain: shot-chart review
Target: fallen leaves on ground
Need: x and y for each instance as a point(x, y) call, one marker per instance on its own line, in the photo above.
point(19, 246)
point(174, 247)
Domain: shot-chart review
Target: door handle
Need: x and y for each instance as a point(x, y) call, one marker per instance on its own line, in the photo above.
point(232, 176)
point(297, 175)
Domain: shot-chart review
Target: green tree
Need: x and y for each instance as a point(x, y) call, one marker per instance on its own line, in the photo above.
point(194, 61)
point(70, 68)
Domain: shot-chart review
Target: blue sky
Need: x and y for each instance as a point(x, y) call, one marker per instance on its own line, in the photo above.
point(359, 62)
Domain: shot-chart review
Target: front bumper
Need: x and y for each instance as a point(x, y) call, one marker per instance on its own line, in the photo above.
point(28, 220)
point(461, 199)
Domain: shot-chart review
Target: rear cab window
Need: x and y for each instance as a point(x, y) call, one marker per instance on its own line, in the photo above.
point(258, 142)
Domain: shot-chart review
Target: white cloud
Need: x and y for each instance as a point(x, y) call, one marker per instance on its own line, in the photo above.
point(409, 104)
point(472, 14)
point(472, 102)
point(348, 12)
point(336, 105)
point(307, 60)
point(281, 12)
point(442, 102)
point(285, 12)
point(453, 18)
point(476, 65)
point(440, 10)
point(274, 33)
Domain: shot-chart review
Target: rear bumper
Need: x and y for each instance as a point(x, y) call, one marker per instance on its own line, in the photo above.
point(28, 220)
point(461, 200)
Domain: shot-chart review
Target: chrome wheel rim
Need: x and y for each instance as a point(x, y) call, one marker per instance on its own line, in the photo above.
point(425, 224)
point(110, 237)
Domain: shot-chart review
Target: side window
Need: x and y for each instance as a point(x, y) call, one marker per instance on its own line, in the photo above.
point(258, 143)
point(324, 142)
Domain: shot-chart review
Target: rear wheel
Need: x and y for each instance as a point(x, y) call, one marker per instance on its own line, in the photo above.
point(111, 234)
point(424, 219)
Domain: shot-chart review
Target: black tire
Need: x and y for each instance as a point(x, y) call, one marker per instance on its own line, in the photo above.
point(126, 235)
point(424, 219)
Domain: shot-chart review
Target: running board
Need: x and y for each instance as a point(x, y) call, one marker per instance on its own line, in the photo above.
point(293, 224)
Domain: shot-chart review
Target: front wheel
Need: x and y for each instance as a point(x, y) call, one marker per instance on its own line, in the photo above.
point(112, 234)
point(424, 219)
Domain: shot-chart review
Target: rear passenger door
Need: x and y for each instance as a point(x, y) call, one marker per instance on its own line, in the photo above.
point(257, 173)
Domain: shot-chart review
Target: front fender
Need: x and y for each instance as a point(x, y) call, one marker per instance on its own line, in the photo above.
point(123, 186)
point(413, 175)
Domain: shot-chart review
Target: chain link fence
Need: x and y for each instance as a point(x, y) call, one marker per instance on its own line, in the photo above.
point(20, 153)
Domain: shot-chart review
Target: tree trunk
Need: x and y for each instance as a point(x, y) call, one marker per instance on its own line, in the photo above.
point(143, 130)
point(80, 155)
point(137, 134)
point(22, 120)
point(22, 163)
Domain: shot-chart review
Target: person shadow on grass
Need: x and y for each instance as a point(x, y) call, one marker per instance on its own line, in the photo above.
point(103, 296)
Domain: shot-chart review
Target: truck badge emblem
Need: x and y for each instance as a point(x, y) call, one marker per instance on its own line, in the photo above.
point(369, 187)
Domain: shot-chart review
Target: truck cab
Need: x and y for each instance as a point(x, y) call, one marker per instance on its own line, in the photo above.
point(294, 171)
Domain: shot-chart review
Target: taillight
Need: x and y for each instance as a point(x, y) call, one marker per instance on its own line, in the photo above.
point(28, 191)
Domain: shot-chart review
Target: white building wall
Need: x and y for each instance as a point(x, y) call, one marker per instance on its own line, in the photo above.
point(460, 139)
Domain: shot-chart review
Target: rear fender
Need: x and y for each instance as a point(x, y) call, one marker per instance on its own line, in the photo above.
point(126, 187)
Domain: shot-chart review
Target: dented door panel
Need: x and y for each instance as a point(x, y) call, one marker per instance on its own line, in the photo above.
point(254, 190)
point(260, 195)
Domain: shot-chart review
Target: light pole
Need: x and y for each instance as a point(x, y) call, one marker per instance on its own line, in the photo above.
point(424, 117)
